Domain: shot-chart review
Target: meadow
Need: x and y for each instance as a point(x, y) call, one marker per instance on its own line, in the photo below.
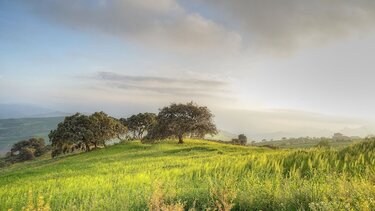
point(196, 175)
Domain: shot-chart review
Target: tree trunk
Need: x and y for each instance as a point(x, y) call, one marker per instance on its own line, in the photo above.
point(180, 141)
point(87, 148)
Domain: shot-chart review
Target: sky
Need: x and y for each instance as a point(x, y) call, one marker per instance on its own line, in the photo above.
point(267, 68)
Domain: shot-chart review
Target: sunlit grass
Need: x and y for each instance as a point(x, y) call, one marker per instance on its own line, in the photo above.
point(197, 174)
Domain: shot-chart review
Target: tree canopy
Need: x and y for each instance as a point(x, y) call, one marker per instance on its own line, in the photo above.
point(105, 128)
point(81, 132)
point(181, 120)
point(139, 124)
point(27, 149)
point(241, 140)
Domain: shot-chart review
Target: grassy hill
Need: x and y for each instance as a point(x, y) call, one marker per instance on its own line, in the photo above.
point(197, 174)
point(13, 130)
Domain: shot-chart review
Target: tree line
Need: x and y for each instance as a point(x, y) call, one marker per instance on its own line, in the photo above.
point(84, 133)
point(80, 132)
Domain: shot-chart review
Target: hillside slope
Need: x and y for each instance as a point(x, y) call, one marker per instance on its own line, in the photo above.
point(197, 174)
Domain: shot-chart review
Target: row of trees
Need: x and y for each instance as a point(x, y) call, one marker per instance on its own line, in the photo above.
point(86, 132)
point(82, 132)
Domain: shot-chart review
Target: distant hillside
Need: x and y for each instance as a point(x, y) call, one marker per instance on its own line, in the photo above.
point(307, 142)
point(13, 130)
point(222, 136)
point(13, 111)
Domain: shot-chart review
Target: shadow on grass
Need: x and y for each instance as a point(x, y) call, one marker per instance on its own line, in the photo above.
point(190, 149)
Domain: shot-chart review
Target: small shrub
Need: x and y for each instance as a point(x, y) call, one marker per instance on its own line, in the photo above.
point(323, 144)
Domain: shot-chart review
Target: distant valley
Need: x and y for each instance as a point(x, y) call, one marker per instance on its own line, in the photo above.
point(14, 111)
point(13, 130)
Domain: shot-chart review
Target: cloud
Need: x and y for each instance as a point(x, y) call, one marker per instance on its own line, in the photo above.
point(160, 24)
point(258, 25)
point(176, 87)
point(276, 25)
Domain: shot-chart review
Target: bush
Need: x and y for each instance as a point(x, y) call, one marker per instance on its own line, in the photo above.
point(323, 144)
point(26, 150)
point(241, 140)
point(27, 154)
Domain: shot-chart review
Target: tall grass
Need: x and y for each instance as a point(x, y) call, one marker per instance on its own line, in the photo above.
point(198, 175)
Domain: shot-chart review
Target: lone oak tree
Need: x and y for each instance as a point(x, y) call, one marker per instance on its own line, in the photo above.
point(180, 120)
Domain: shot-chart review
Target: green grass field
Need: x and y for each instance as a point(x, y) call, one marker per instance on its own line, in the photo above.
point(196, 175)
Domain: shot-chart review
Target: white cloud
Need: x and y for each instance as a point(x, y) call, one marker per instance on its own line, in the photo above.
point(161, 24)
point(146, 86)
point(281, 26)
point(259, 25)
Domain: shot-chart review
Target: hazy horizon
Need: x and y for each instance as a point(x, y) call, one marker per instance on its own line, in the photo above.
point(265, 68)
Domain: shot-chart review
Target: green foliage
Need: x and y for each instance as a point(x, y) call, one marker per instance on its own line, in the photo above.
point(241, 140)
point(81, 132)
point(75, 132)
point(323, 144)
point(180, 120)
point(197, 175)
point(26, 150)
point(139, 124)
point(27, 154)
point(105, 128)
